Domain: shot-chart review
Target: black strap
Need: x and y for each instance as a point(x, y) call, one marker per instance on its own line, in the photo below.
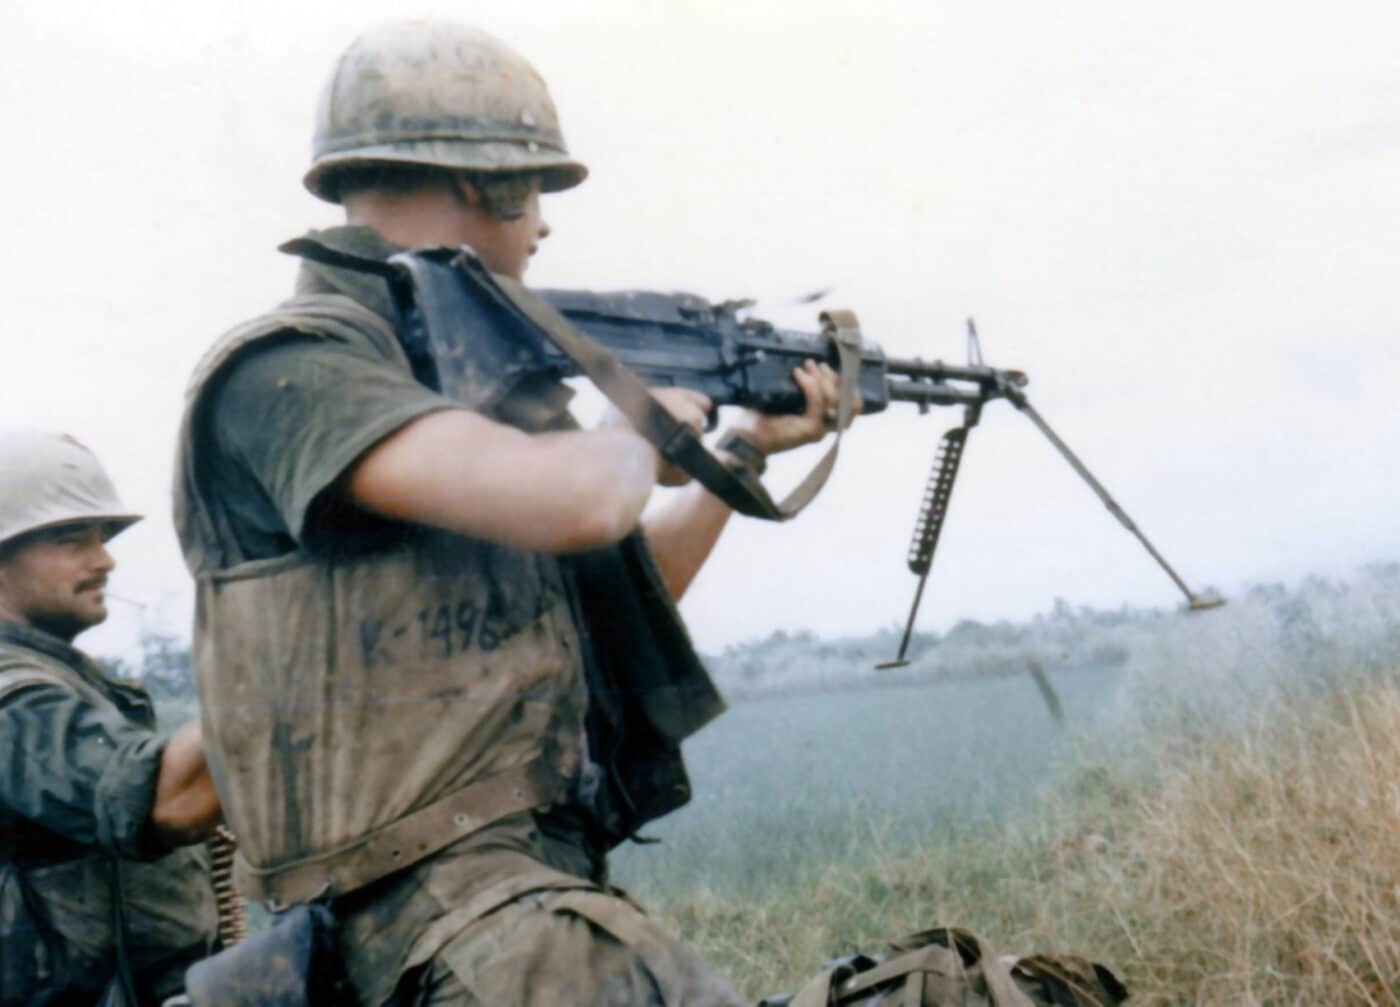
point(124, 976)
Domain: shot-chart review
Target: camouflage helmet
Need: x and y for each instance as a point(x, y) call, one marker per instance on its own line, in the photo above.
point(441, 94)
point(49, 479)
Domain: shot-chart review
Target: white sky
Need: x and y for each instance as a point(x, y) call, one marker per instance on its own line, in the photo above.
point(1179, 219)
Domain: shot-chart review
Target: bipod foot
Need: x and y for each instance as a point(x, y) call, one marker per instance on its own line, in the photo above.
point(1199, 604)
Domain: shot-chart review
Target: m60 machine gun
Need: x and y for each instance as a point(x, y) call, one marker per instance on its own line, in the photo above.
point(680, 339)
point(458, 322)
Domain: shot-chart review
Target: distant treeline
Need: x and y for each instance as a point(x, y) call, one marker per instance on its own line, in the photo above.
point(164, 668)
point(1066, 636)
point(1354, 619)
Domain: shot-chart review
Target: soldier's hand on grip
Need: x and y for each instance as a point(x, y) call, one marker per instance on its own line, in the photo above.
point(821, 386)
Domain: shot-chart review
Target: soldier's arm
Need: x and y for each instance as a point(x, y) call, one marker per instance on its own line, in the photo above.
point(83, 772)
point(186, 807)
point(318, 426)
point(683, 533)
point(552, 492)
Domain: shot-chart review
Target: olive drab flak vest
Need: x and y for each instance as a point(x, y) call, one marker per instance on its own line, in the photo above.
point(362, 712)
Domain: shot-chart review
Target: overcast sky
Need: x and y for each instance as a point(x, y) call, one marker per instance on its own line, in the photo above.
point(1180, 219)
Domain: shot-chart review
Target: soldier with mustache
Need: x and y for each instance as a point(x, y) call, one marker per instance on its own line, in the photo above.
point(99, 884)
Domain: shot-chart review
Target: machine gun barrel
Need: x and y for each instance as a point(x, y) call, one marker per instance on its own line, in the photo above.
point(932, 393)
point(928, 384)
point(937, 370)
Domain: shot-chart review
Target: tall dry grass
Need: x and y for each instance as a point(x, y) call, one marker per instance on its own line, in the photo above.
point(1245, 863)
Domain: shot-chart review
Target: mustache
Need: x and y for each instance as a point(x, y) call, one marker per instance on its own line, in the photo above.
point(91, 583)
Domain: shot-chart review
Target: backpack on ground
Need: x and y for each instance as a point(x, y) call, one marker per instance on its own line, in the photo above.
point(948, 967)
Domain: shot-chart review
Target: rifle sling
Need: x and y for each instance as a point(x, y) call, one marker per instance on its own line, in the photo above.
point(676, 441)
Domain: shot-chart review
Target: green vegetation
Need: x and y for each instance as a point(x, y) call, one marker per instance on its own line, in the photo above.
point(786, 785)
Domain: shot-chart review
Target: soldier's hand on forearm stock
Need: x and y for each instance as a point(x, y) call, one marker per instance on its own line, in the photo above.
point(772, 434)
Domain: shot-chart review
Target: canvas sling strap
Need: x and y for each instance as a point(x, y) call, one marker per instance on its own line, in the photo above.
point(677, 442)
point(402, 842)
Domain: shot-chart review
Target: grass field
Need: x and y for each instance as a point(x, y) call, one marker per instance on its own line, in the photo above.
point(783, 785)
point(1255, 865)
point(1223, 827)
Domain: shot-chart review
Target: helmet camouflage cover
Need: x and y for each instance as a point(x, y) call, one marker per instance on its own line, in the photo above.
point(440, 94)
point(49, 479)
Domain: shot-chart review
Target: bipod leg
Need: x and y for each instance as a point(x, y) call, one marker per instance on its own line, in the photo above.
point(929, 525)
point(1194, 602)
point(899, 661)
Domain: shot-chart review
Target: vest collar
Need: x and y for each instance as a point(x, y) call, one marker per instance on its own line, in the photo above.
point(369, 291)
point(46, 645)
point(50, 646)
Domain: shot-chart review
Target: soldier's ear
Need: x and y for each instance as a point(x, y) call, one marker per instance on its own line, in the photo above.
point(467, 193)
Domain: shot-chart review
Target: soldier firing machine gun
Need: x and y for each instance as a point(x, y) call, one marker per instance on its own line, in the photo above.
point(680, 339)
